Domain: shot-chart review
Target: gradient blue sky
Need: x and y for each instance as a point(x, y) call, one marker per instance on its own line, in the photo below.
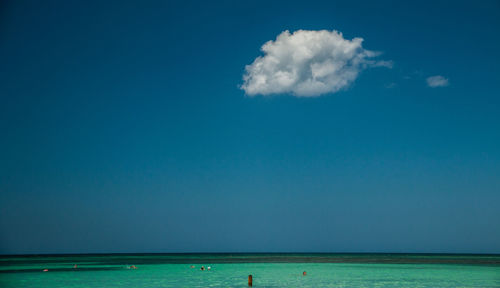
point(123, 129)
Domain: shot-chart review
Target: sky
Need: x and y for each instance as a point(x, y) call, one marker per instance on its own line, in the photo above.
point(249, 126)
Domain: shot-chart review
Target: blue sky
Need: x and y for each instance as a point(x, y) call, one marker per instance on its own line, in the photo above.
point(124, 128)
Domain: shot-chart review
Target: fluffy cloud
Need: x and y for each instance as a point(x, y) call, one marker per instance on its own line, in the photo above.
point(437, 81)
point(308, 64)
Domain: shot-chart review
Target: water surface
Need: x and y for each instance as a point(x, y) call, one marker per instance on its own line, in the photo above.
point(268, 270)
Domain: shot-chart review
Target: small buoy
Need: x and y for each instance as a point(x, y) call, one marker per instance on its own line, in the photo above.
point(304, 273)
point(250, 280)
point(45, 270)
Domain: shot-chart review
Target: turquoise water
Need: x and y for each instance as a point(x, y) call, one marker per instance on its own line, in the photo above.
point(268, 270)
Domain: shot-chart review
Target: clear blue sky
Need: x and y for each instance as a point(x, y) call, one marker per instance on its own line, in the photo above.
point(123, 129)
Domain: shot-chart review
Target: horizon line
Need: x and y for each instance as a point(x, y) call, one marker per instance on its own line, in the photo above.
point(212, 253)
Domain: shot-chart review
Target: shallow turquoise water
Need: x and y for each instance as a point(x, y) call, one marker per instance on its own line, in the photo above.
point(175, 271)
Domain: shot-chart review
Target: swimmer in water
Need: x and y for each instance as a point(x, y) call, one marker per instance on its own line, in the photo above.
point(304, 273)
point(202, 268)
point(208, 268)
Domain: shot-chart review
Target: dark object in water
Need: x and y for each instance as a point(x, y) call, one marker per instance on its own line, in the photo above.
point(250, 279)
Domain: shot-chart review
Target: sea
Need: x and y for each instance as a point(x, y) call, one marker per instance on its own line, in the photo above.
point(233, 269)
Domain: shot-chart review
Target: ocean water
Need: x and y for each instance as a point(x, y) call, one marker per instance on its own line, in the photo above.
point(268, 270)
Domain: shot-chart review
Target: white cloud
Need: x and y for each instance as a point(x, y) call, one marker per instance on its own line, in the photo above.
point(308, 64)
point(437, 81)
point(391, 85)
